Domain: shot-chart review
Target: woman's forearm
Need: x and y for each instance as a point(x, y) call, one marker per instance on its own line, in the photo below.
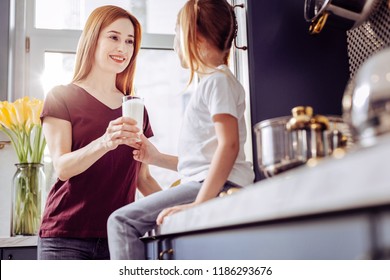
point(76, 162)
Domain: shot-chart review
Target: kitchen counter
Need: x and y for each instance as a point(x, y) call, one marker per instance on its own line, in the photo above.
point(360, 179)
point(18, 248)
point(19, 241)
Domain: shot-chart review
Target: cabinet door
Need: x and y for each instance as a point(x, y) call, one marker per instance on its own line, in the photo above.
point(383, 238)
point(151, 249)
point(159, 249)
point(20, 253)
point(333, 238)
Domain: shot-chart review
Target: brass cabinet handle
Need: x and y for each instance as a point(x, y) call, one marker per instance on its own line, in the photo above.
point(162, 253)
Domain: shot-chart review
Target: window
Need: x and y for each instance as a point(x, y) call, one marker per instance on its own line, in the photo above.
point(165, 100)
point(57, 69)
point(156, 16)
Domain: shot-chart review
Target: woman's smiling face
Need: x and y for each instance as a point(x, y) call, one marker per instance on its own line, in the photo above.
point(115, 46)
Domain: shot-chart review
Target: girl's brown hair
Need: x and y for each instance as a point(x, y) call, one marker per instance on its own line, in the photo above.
point(214, 20)
point(99, 19)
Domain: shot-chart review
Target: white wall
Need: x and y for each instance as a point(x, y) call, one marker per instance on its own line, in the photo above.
point(7, 169)
point(4, 26)
point(7, 154)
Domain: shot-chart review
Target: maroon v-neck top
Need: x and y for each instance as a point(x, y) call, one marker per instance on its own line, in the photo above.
point(80, 206)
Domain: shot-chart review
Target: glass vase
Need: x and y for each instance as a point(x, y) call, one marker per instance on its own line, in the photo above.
point(28, 187)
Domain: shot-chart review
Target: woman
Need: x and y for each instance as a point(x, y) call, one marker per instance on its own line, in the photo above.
point(91, 143)
point(211, 151)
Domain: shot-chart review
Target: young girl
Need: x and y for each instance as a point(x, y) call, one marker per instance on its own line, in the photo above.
point(91, 143)
point(211, 154)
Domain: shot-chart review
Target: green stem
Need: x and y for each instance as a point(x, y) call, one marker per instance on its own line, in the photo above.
point(39, 144)
point(12, 135)
point(28, 147)
point(26, 213)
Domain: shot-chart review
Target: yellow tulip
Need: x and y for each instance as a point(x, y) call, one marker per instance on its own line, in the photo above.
point(5, 118)
point(11, 113)
point(21, 110)
point(20, 120)
point(36, 107)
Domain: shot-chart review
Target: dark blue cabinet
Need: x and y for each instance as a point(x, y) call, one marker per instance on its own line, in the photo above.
point(338, 236)
point(19, 253)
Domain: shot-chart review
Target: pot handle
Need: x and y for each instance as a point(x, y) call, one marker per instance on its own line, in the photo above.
point(318, 23)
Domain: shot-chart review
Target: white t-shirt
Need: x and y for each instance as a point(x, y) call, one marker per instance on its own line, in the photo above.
point(218, 93)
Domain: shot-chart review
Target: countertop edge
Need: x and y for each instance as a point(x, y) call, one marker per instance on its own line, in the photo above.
point(18, 241)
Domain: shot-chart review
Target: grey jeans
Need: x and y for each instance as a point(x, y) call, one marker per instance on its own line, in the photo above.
point(126, 225)
point(59, 248)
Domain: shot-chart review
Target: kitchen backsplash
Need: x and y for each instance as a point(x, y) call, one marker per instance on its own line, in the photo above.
point(370, 37)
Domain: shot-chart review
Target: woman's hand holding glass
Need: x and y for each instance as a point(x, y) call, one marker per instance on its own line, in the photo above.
point(121, 131)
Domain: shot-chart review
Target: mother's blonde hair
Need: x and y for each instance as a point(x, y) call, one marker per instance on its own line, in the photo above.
point(99, 19)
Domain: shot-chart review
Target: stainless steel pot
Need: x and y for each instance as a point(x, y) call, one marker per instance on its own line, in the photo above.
point(345, 14)
point(287, 142)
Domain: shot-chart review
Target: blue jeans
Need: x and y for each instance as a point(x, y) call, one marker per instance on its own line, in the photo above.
point(58, 248)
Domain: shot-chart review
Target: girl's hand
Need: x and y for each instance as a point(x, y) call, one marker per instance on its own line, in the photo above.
point(121, 131)
point(146, 152)
point(171, 210)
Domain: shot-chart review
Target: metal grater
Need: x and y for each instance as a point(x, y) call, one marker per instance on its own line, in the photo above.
point(369, 38)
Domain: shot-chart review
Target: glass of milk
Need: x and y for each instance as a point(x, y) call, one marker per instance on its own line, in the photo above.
point(133, 107)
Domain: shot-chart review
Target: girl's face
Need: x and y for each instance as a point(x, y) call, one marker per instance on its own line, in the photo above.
point(178, 46)
point(115, 46)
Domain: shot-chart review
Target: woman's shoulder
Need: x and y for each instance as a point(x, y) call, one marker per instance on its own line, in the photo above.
point(63, 94)
point(61, 101)
point(63, 91)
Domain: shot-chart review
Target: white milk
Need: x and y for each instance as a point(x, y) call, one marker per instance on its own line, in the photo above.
point(134, 108)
